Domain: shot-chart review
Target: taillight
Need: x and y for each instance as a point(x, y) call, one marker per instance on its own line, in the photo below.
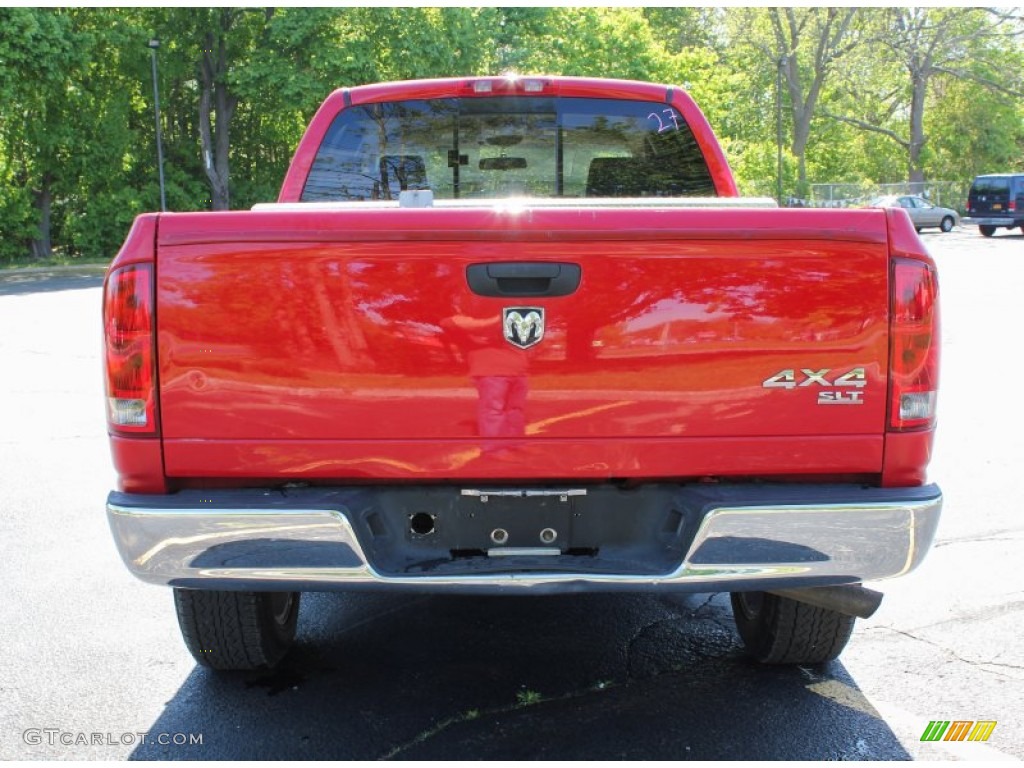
point(128, 342)
point(914, 369)
point(1012, 206)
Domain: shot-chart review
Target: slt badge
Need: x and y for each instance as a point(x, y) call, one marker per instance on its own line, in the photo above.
point(524, 326)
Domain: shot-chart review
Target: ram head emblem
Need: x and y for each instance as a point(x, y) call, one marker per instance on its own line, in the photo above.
point(524, 326)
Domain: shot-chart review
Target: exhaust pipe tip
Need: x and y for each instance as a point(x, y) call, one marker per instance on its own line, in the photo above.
point(851, 599)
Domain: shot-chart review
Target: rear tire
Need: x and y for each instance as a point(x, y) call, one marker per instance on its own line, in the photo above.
point(778, 630)
point(237, 630)
point(947, 224)
point(986, 230)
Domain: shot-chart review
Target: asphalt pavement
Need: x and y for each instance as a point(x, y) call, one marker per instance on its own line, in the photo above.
point(92, 665)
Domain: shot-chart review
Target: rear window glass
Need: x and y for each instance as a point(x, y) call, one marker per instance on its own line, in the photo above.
point(504, 147)
point(990, 186)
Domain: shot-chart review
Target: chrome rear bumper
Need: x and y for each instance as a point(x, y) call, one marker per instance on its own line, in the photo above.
point(992, 221)
point(741, 538)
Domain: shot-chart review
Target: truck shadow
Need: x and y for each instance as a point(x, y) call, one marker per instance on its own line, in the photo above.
point(562, 677)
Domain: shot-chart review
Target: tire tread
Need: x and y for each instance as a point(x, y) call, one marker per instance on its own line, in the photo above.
point(791, 632)
point(229, 630)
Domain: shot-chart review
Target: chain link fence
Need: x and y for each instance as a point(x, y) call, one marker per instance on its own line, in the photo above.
point(948, 194)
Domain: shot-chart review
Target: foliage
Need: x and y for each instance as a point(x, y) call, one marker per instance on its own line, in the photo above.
point(931, 92)
point(593, 42)
point(38, 88)
point(893, 76)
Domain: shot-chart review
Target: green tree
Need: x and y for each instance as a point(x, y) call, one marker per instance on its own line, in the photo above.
point(585, 42)
point(994, 140)
point(40, 84)
point(686, 29)
point(926, 44)
point(410, 43)
point(106, 179)
point(802, 45)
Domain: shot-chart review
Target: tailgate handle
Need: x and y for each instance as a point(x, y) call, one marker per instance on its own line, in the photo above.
point(524, 278)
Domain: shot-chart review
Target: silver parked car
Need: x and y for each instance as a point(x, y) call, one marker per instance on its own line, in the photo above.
point(922, 213)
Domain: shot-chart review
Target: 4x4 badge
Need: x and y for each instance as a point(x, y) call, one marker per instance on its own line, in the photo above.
point(523, 326)
point(834, 389)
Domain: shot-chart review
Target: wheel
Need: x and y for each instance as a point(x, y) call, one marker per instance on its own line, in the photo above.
point(947, 224)
point(986, 230)
point(237, 630)
point(918, 230)
point(778, 630)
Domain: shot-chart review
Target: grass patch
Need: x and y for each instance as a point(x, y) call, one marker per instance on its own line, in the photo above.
point(526, 698)
point(55, 261)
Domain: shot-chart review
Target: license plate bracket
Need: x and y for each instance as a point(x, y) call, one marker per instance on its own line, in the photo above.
point(492, 520)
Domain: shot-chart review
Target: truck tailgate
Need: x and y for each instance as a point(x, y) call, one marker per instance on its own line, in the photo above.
point(344, 344)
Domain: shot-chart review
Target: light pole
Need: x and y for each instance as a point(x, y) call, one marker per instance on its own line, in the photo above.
point(778, 129)
point(153, 45)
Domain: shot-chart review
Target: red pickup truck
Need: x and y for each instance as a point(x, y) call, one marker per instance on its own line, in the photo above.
point(520, 335)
